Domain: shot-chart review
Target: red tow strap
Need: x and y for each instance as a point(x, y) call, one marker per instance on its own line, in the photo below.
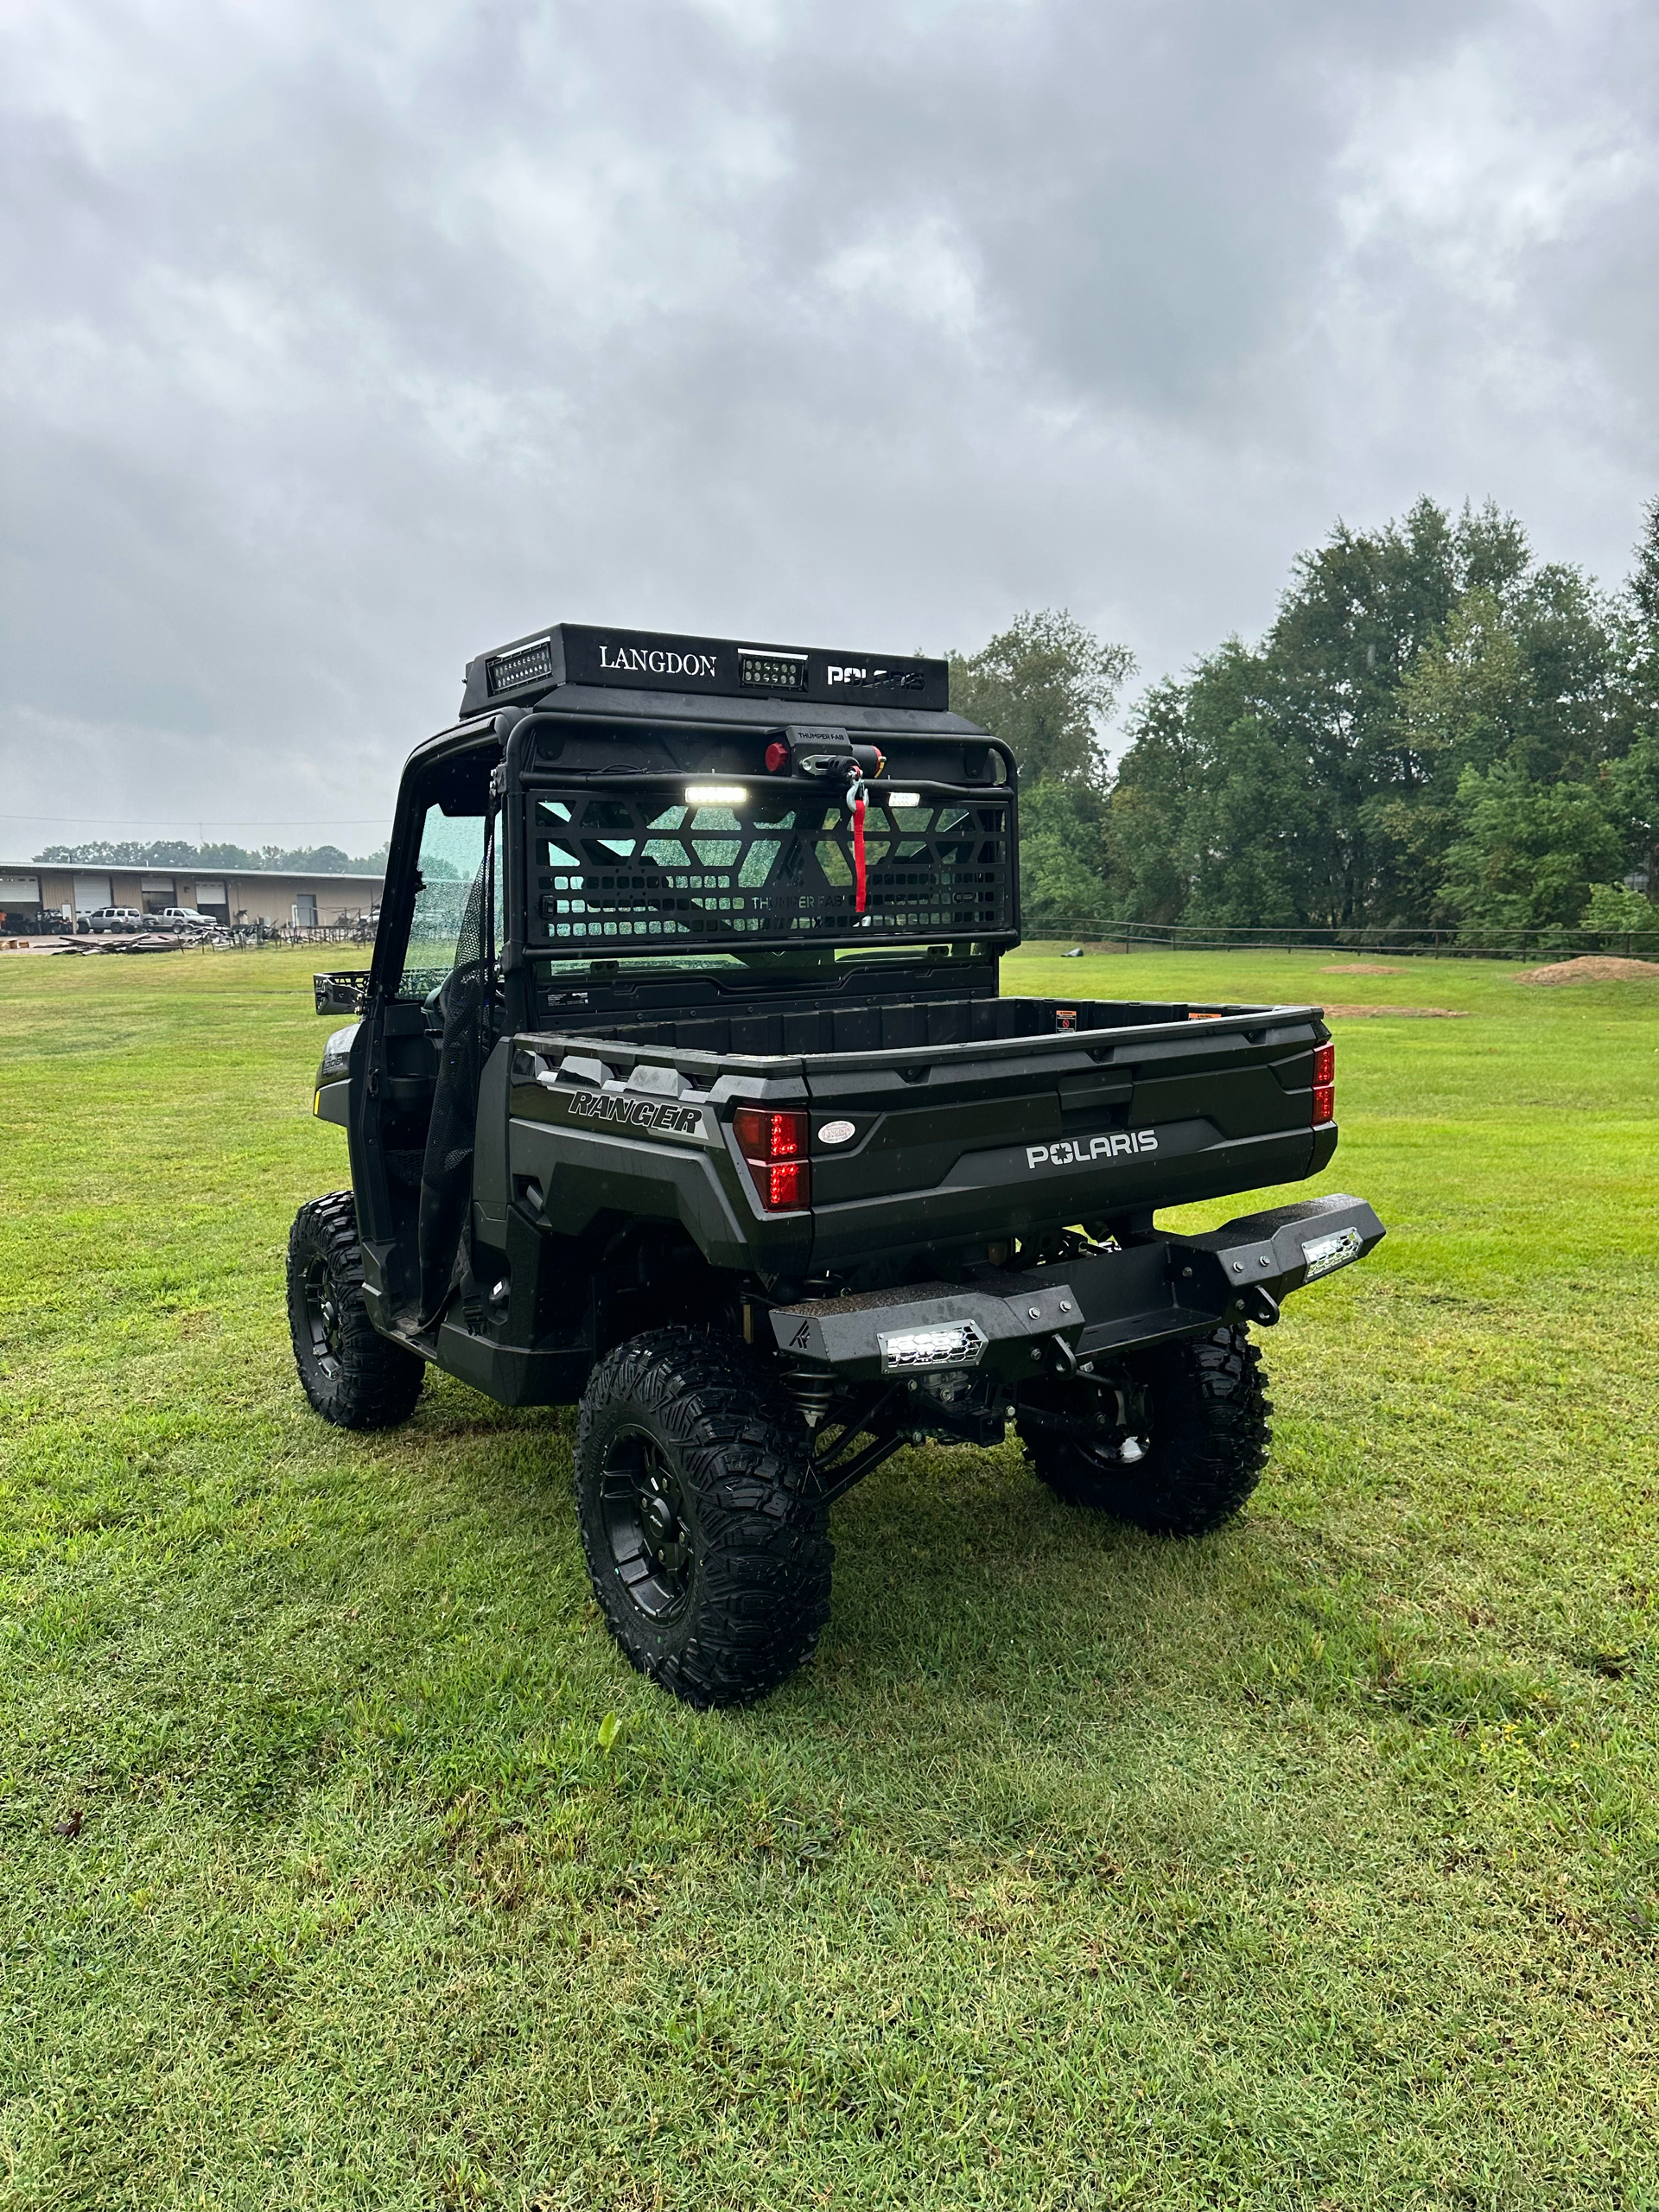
point(858, 850)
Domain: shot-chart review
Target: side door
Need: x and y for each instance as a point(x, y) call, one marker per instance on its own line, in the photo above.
point(432, 932)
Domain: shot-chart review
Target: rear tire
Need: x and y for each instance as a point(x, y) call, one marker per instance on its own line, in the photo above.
point(354, 1376)
point(1206, 1442)
point(708, 1547)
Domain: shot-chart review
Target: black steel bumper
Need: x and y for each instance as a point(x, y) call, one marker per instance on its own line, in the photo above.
point(1010, 1323)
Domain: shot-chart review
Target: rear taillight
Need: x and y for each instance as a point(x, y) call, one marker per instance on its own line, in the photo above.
point(773, 1146)
point(1324, 1084)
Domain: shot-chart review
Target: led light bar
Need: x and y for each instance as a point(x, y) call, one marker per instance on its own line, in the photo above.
point(899, 799)
point(947, 1343)
point(529, 663)
point(767, 668)
point(715, 794)
point(1321, 1253)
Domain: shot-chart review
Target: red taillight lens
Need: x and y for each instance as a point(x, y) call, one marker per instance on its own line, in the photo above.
point(762, 1135)
point(773, 1146)
point(788, 1185)
point(1324, 1084)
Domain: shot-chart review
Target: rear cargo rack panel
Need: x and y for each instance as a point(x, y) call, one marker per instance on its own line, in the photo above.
point(621, 871)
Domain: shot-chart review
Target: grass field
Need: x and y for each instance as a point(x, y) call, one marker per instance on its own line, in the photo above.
point(1315, 1866)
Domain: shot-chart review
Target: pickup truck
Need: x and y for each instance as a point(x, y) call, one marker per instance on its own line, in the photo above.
point(681, 1087)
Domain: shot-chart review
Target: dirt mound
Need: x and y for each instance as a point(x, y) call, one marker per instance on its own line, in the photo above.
point(1411, 1012)
point(1359, 967)
point(1596, 968)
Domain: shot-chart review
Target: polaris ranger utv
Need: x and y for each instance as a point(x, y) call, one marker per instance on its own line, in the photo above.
point(682, 1088)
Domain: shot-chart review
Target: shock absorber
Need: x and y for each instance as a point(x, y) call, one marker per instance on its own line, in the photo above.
point(812, 1389)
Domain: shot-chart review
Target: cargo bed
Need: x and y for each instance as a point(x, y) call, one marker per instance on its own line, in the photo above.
point(939, 1140)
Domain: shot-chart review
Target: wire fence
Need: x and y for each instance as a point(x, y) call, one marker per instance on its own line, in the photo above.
point(1171, 937)
point(1090, 934)
point(1447, 943)
point(234, 937)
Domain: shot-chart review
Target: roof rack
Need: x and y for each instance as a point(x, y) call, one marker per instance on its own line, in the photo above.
point(647, 660)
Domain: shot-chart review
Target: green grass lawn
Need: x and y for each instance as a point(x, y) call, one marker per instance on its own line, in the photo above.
point(1315, 1864)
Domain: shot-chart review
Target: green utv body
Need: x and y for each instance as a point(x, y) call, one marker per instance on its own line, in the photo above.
point(681, 1088)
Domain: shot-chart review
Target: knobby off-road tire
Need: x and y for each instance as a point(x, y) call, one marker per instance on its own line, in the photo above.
point(708, 1547)
point(354, 1376)
point(1205, 1446)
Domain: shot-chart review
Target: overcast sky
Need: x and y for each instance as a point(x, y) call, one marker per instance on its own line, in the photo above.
point(344, 341)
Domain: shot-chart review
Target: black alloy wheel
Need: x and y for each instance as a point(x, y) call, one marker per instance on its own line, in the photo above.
point(653, 1542)
point(354, 1376)
point(706, 1537)
point(321, 1315)
point(1196, 1450)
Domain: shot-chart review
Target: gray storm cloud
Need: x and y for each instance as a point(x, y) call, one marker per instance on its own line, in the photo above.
point(341, 342)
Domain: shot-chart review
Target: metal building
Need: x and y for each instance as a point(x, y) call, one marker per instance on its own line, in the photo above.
point(33, 892)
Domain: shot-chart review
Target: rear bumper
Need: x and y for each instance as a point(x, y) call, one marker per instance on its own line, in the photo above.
point(1115, 1301)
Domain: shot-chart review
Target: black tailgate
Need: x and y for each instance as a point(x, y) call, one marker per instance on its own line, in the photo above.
point(993, 1140)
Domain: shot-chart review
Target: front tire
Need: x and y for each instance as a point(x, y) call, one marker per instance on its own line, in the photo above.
point(1206, 1444)
point(354, 1376)
point(708, 1547)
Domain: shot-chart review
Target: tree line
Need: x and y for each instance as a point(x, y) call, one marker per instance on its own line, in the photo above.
point(1439, 729)
point(170, 853)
